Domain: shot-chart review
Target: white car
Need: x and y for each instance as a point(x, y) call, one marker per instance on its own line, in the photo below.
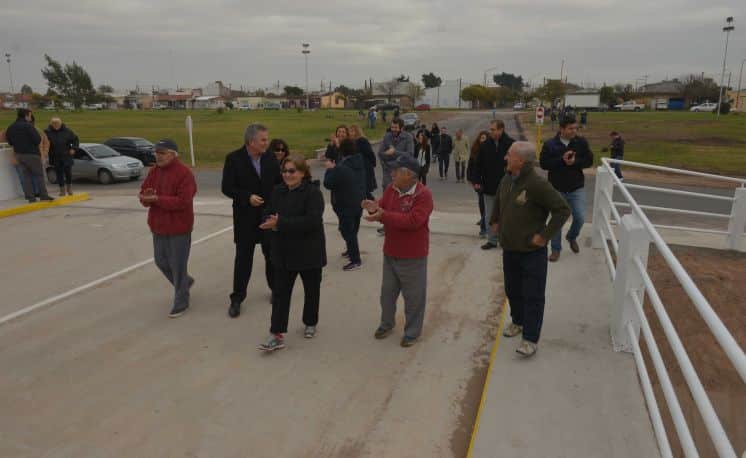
point(629, 105)
point(707, 106)
point(518, 106)
point(244, 108)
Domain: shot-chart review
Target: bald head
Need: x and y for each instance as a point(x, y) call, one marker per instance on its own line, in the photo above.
point(56, 123)
point(520, 154)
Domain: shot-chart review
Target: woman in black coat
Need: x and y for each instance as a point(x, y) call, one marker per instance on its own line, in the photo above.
point(62, 144)
point(472, 178)
point(298, 247)
point(435, 140)
point(422, 154)
point(363, 147)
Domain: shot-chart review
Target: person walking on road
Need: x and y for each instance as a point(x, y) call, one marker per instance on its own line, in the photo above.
point(295, 227)
point(249, 175)
point(523, 203)
point(168, 193)
point(489, 170)
point(395, 143)
point(565, 156)
point(404, 210)
point(62, 144)
point(460, 154)
point(471, 176)
point(346, 180)
point(435, 140)
point(617, 151)
point(422, 154)
point(25, 140)
point(332, 149)
point(444, 153)
point(364, 148)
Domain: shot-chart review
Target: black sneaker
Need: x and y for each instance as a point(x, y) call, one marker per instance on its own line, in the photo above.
point(408, 341)
point(32, 200)
point(345, 255)
point(234, 310)
point(382, 333)
point(489, 246)
point(47, 198)
point(178, 311)
point(352, 266)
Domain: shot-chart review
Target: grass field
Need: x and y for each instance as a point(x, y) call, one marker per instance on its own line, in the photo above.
point(215, 134)
point(694, 141)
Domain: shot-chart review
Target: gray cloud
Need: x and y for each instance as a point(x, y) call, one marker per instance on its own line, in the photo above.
point(257, 43)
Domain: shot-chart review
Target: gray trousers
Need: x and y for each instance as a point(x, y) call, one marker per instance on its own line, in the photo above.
point(408, 277)
point(489, 204)
point(31, 168)
point(171, 253)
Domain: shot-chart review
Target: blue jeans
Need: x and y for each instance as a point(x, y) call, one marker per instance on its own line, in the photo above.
point(576, 201)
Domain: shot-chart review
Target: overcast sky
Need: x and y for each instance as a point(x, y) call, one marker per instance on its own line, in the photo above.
point(254, 44)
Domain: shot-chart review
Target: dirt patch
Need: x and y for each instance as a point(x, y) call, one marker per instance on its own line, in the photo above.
point(720, 275)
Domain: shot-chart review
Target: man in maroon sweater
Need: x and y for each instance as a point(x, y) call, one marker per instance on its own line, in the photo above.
point(404, 210)
point(168, 192)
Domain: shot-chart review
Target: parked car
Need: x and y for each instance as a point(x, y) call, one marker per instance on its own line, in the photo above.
point(159, 106)
point(660, 104)
point(136, 147)
point(518, 106)
point(629, 105)
point(707, 106)
point(386, 106)
point(272, 106)
point(95, 161)
point(422, 107)
point(94, 106)
point(411, 121)
point(244, 107)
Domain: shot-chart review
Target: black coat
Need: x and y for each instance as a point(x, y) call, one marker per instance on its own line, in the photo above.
point(366, 151)
point(23, 137)
point(347, 181)
point(240, 181)
point(422, 154)
point(446, 144)
point(332, 153)
point(60, 143)
point(566, 178)
point(489, 168)
point(299, 242)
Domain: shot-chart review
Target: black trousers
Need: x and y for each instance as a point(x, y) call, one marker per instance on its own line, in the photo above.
point(64, 172)
point(423, 173)
point(243, 265)
point(285, 280)
point(525, 286)
point(443, 161)
point(349, 227)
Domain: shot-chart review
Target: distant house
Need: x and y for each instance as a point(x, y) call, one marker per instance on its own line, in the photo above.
point(217, 89)
point(666, 90)
point(333, 100)
point(737, 100)
point(396, 92)
point(175, 101)
point(208, 102)
point(250, 102)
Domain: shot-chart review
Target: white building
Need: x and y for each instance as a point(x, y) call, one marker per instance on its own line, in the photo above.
point(448, 95)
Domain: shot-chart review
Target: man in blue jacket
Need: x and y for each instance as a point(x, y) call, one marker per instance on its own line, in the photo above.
point(565, 156)
point(25, 140)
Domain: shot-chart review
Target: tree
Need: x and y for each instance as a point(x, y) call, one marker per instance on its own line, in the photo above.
point(105, 89)
point(26, 90)
point(403, 79)
point(415, 92)
point(552, 91)
point(293, 91)
point(476, 93)
point(698, 90)
point(509, 80)
point(430, 80)
point(607, 95)
point(389, 87)
point(72, 82)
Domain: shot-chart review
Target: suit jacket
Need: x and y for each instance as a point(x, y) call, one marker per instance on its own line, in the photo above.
point(240, 181)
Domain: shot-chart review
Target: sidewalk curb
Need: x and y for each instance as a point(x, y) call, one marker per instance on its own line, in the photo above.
point(475, 430)
point(36, 206)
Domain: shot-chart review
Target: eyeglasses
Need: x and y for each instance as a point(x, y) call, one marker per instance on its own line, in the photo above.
point(289, 171)
point(280, 150)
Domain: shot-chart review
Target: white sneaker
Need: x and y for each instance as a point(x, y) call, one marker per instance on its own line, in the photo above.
point(513, 330)
point(526, 349)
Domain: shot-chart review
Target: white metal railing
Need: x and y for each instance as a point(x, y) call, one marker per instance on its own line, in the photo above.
point(635, 234)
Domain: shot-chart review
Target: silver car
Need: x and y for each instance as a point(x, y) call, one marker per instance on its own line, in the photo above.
point(411, 121)
point(95, 161)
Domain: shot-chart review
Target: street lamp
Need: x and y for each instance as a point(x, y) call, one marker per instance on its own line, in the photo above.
point(10, 72)
point(729, 27)
point(738, 94)
point(485, 74)
point(306, 52)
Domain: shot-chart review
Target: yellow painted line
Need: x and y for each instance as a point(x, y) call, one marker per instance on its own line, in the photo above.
point(487, 379)
point(36, 206)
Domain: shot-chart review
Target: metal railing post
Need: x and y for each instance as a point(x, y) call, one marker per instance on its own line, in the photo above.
point(634, 243)
point(737, 221)
point(601, 209)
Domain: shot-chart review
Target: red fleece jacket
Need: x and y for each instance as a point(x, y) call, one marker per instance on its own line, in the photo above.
point(172, 213)
point(406, 220)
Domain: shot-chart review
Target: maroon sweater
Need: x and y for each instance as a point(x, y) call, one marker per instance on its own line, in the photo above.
point(406, 220)
point(172, 213)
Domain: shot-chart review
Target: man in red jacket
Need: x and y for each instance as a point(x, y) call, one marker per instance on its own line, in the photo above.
point(404, 210)
point(168, 192)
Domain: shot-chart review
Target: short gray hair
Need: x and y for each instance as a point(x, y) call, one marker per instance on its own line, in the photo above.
point(526, 151)
point(252, 130)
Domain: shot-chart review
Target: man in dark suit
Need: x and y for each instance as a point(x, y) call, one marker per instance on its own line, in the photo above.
point(249, 176)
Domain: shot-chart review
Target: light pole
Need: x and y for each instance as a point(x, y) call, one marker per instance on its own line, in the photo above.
point(10, 71)
point(306, 51)
point(729, 27)
point(485, 74)
point(738, 94)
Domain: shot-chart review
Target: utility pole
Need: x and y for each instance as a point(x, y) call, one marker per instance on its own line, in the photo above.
point(10, 71)
point(459, 93)
point(729, 27)
point(738, 94)
point(562, 70)
point(306, 51)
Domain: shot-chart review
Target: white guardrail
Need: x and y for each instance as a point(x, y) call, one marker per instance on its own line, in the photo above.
point(631, 283)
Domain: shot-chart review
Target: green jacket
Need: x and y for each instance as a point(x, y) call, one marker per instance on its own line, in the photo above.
point(522, 207)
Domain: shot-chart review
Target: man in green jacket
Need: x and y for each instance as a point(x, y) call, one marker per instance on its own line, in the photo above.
point(523, 202)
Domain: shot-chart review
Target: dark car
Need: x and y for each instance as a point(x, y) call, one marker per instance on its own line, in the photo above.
point(136, 147)
point(387, 106)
